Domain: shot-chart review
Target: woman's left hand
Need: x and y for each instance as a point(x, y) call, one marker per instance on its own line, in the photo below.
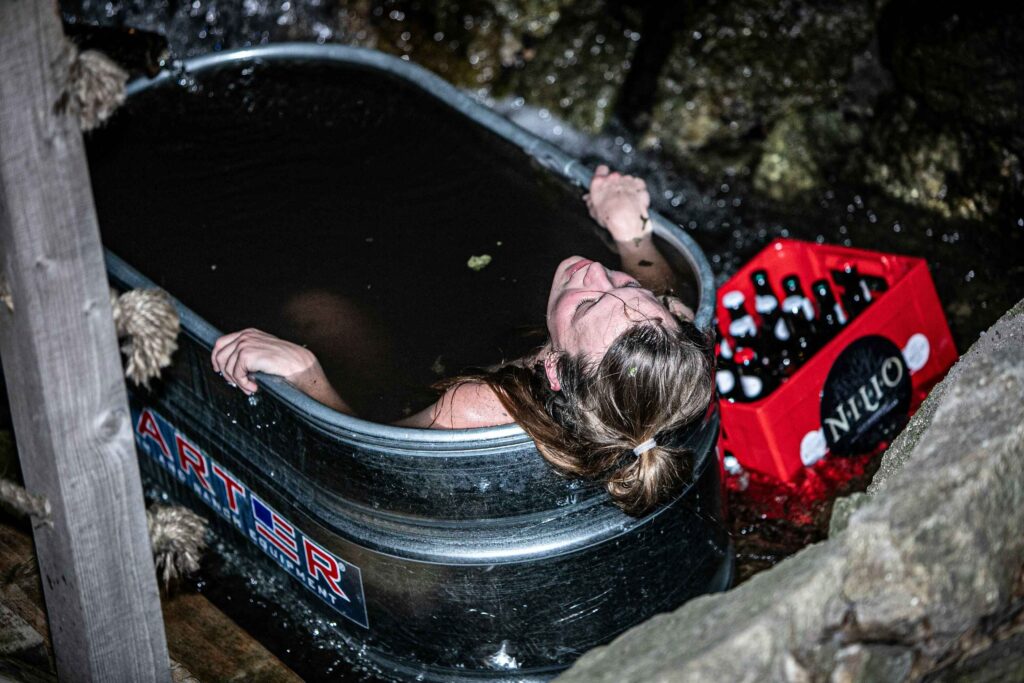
point(240, 354)
point(619, 203)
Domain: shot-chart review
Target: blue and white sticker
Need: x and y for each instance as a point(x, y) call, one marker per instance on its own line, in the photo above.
point(335, 581)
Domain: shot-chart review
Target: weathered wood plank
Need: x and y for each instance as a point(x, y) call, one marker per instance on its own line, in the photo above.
point(213, 648)
point(205, 644)
point(63, 373)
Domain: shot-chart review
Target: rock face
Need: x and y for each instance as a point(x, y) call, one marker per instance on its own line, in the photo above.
point(577, 71)
point(739, 66)
point(935, 548)
point(947, 138)
point(922, 99)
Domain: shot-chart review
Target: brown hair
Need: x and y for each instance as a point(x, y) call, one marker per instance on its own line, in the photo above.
point(650, 382)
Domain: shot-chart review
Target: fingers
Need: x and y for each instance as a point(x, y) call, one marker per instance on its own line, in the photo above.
point(242, 360)
point(606, 178)
point(237, 354)
point(216, 358)
point(223, 347)
point(618, 203)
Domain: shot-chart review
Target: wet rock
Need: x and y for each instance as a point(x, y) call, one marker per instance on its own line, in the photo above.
point(740, 65)
point(963, 61)
point(842, 509)
point(524, 18)
point(787, 167)
point(351, 25)
point(576, 71)
point(872, 663)
point(930, 164)
point(935, 551)
point(472, 44)
point(534, 18)
point(1000, 661)
point(798, 149)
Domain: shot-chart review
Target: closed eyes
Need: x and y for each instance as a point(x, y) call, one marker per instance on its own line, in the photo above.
point(593, 300)
point(583, 303)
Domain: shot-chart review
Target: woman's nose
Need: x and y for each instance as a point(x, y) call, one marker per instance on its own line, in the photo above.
point(596, 276)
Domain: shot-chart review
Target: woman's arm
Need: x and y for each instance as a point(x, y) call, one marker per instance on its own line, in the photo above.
point(620, 204)
point(238, 355)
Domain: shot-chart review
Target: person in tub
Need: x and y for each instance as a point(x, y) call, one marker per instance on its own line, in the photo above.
point(622, 369)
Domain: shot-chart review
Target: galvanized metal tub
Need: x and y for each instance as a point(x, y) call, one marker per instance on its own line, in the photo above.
point(449, 555)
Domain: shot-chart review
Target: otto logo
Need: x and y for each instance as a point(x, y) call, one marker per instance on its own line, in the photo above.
point(866, 398)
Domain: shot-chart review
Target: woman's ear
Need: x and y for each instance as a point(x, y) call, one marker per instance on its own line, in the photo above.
point(551, 370)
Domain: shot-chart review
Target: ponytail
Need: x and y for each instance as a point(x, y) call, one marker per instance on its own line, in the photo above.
point(611, 419)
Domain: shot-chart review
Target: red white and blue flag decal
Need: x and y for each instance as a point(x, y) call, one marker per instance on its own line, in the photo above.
point(332, 579)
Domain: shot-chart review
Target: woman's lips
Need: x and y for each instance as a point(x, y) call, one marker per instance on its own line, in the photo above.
point(579, 265)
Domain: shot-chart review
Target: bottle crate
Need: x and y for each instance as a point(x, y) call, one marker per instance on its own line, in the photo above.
point(855, 393)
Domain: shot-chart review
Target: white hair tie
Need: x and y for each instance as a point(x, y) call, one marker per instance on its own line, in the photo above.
point(644, 447)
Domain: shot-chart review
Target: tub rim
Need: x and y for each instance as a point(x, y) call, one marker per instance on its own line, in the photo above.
point(549, 156)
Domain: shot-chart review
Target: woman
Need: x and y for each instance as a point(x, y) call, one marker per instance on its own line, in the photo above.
point(622, 370)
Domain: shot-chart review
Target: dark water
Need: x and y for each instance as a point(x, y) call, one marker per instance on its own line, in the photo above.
point(338, 209)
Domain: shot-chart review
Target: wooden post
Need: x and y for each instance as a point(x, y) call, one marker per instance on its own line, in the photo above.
point(64, 375)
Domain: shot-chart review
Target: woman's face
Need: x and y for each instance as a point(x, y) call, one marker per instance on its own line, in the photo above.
point(590, 306)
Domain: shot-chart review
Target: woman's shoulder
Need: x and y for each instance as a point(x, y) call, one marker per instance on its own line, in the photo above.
point(462, 406)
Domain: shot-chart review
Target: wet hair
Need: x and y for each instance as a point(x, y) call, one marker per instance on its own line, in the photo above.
point(651, 382)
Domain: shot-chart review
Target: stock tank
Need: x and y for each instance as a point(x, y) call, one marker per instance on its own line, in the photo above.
point(292, 186)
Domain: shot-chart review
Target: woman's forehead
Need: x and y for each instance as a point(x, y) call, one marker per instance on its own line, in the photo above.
point(614, 314)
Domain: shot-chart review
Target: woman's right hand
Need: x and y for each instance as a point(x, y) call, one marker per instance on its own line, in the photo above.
point(620, 204)
point(238, 355)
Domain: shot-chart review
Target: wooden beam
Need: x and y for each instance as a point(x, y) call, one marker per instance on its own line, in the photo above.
point(64, 375)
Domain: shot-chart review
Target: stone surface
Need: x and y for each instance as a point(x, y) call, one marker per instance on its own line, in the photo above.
point(738, 66)
point(935, 164)
point(937, 50)
point(798, 149)
point(577, 70)
point(871, 663)
point(843, 508)
point(922, 100)
point(935, 550)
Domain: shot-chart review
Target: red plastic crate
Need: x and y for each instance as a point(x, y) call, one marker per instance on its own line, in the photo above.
point(851, 395)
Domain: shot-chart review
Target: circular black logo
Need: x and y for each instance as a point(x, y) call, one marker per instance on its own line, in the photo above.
point(866, 398)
